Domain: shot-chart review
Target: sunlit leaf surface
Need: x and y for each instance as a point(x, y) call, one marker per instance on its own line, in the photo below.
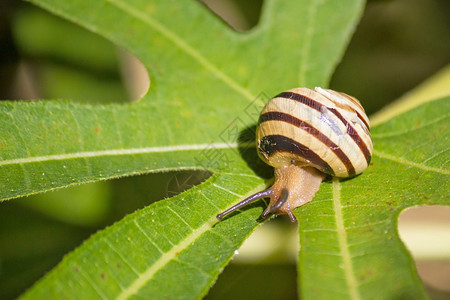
point(208, 83)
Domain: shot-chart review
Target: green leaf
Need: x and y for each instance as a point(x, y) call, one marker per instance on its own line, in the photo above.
point(149, 250)
point(206, 84)
point(31, 27)
point(195, 94)
point(433, 88)
point(30, 245)
point(64, 143)
point(85, 205)
point(349, 232)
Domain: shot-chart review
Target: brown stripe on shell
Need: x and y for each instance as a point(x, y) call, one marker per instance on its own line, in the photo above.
point(364, 121)
point(316, 105)
point(300, 98)
point(279, 116)
point(354, 135)
point(271, 144)
point(353, 101)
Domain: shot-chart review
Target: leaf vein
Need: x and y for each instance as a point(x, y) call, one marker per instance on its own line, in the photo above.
point(409, 130)
point(227, 190)
point(19, 133)
point(238, 174)
point(319, 229)
point(369, 224)
point(180, 217)
point(209, 200)
point(148, 274)
point(412, 149)
point(115, 152)
point(343, 242)
point(410, 163)
point(121, 256)
point(92, 284)
point(224, 237)
point(26, 176)
point(183, 262)
point(146, 235)
point(183, 45)
point(435, 155)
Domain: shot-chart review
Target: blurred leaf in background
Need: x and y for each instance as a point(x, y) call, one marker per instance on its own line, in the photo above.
point(398, 44)
point(36, 231)
point(63, 60)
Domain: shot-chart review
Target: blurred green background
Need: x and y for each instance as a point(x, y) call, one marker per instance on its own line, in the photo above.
point(397, 45)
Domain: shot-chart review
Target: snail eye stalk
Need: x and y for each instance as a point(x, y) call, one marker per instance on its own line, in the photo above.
point(246, 201)
point(306, 135)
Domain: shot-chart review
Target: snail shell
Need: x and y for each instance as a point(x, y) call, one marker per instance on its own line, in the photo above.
point(306, 134)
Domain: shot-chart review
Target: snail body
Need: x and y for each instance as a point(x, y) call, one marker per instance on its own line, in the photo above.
point(306, 135)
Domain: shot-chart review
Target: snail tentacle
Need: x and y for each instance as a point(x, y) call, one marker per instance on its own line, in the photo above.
point(263, 194)
point(306, 135)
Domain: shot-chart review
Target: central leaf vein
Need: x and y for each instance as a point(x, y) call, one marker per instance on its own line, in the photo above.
point(116, 152)
point(343, 242)
point(168, 256)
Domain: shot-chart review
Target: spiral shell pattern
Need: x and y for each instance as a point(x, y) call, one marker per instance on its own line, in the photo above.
point(321, 128)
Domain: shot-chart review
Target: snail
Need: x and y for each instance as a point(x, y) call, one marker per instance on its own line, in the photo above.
point(306, 135)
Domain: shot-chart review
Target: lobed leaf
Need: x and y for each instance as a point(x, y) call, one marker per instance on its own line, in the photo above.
point(349, 232)
point(194, 95)
point(47, 145)
point(175, 247)
point(200, 103)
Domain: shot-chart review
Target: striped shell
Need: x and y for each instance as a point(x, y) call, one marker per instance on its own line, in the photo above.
point(321, 128)
point(306, 134)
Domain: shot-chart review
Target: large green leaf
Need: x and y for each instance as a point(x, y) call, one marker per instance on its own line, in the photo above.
point(195, 94)
point(206, 84)
point(349, 232)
